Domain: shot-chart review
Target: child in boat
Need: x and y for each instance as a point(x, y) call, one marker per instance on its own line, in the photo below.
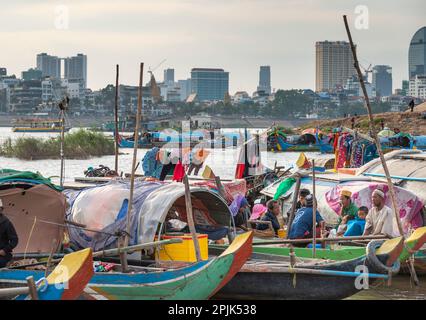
point(355, 227)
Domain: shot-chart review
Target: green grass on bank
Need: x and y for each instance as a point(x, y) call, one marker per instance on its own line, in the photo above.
point(82, 144)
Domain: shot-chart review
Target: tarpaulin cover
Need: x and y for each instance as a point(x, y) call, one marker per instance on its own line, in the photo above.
point(38, 214)
point(409, 204)
point(10, 175)
point(104, 208)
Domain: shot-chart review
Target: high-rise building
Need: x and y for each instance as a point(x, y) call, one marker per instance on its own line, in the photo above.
point(3, 72)
point(265, 79)
point(405, 87)
point(25, 97)
point(50, 66)
point(209, 84)
point(32, 74)
point(76, 69)
point(382, 80)
point(185, 88)
point(418, 86)
point(169, 76)
point(334, 64)
point(417, 54)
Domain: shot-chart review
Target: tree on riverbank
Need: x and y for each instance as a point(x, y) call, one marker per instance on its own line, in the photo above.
point(82, 144)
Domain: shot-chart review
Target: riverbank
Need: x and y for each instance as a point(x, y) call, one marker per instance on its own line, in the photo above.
point(409, 122)
point(81, 144)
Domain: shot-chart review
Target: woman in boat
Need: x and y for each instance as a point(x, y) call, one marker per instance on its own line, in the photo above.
point(274, 209)
point(240, 210)
point(8, 238)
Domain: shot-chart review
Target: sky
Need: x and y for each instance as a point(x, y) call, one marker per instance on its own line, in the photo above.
point(236, 35)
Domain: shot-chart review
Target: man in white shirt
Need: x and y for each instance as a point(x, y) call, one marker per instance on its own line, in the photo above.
point(380, 219)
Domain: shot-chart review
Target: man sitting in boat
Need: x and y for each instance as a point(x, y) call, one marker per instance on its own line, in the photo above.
point(380, 219)
point(302, 195)
point(353, 227)
point(302, 224)
point(348, 208)
point(8, 238)
point(274, 209)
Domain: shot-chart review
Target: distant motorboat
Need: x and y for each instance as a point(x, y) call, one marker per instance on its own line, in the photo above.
point(38, 125)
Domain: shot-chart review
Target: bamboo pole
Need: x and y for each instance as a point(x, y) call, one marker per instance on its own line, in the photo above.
point(61, 180)
point(314, 213)
point(9, 292)
point(190, 218)
point(116, 118)
point(293, 205)
point(373, 129)
point(123, 257)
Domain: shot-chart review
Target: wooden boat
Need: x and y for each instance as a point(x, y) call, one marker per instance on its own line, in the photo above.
point(413, 243)
point(66, 282)
point(268, 276)
point(199, 280)
point(38, 125)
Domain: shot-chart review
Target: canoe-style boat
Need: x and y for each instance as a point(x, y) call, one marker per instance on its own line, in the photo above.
point(193, 281)
point(273, 277)
point(412, 244)
point(66, 282)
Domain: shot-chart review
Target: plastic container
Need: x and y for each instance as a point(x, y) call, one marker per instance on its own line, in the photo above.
point(184, 251)
point(282, 233)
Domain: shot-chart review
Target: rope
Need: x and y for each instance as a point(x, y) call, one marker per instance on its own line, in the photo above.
point(29, 237)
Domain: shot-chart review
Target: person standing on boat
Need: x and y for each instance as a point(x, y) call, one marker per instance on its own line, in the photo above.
point(274, 209)
point(380, 219)
point(302, 224)
point(348, 208)
point(8, 238)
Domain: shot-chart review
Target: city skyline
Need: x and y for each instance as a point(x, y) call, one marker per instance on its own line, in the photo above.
point(191, 34)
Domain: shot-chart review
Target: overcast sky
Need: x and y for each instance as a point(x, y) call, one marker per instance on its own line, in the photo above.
point(237, 35)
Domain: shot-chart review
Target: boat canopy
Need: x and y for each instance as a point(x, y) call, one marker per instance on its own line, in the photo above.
point(104, 208)
point(36, 210)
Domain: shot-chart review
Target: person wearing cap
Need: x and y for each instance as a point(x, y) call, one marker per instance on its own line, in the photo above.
point(302, 195)
point(8, 238)
point(348, 210)
point(302, 224)
point(380, 219)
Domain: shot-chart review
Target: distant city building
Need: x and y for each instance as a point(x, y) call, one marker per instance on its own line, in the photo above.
point(169, 76)
point(417, 54)
point(334, 64)
point(405, 87)
point(25, 97)
point(353, 87)
point(241, 97)
point(185, 89)
point(50, 66)
point(76, 69)
point(32, 74)
point(382, 80)
point(3, 72)
point(418, 86)
point(209, 84)
point(265, 79)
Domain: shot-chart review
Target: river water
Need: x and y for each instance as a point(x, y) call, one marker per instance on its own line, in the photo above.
point(223, 162)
